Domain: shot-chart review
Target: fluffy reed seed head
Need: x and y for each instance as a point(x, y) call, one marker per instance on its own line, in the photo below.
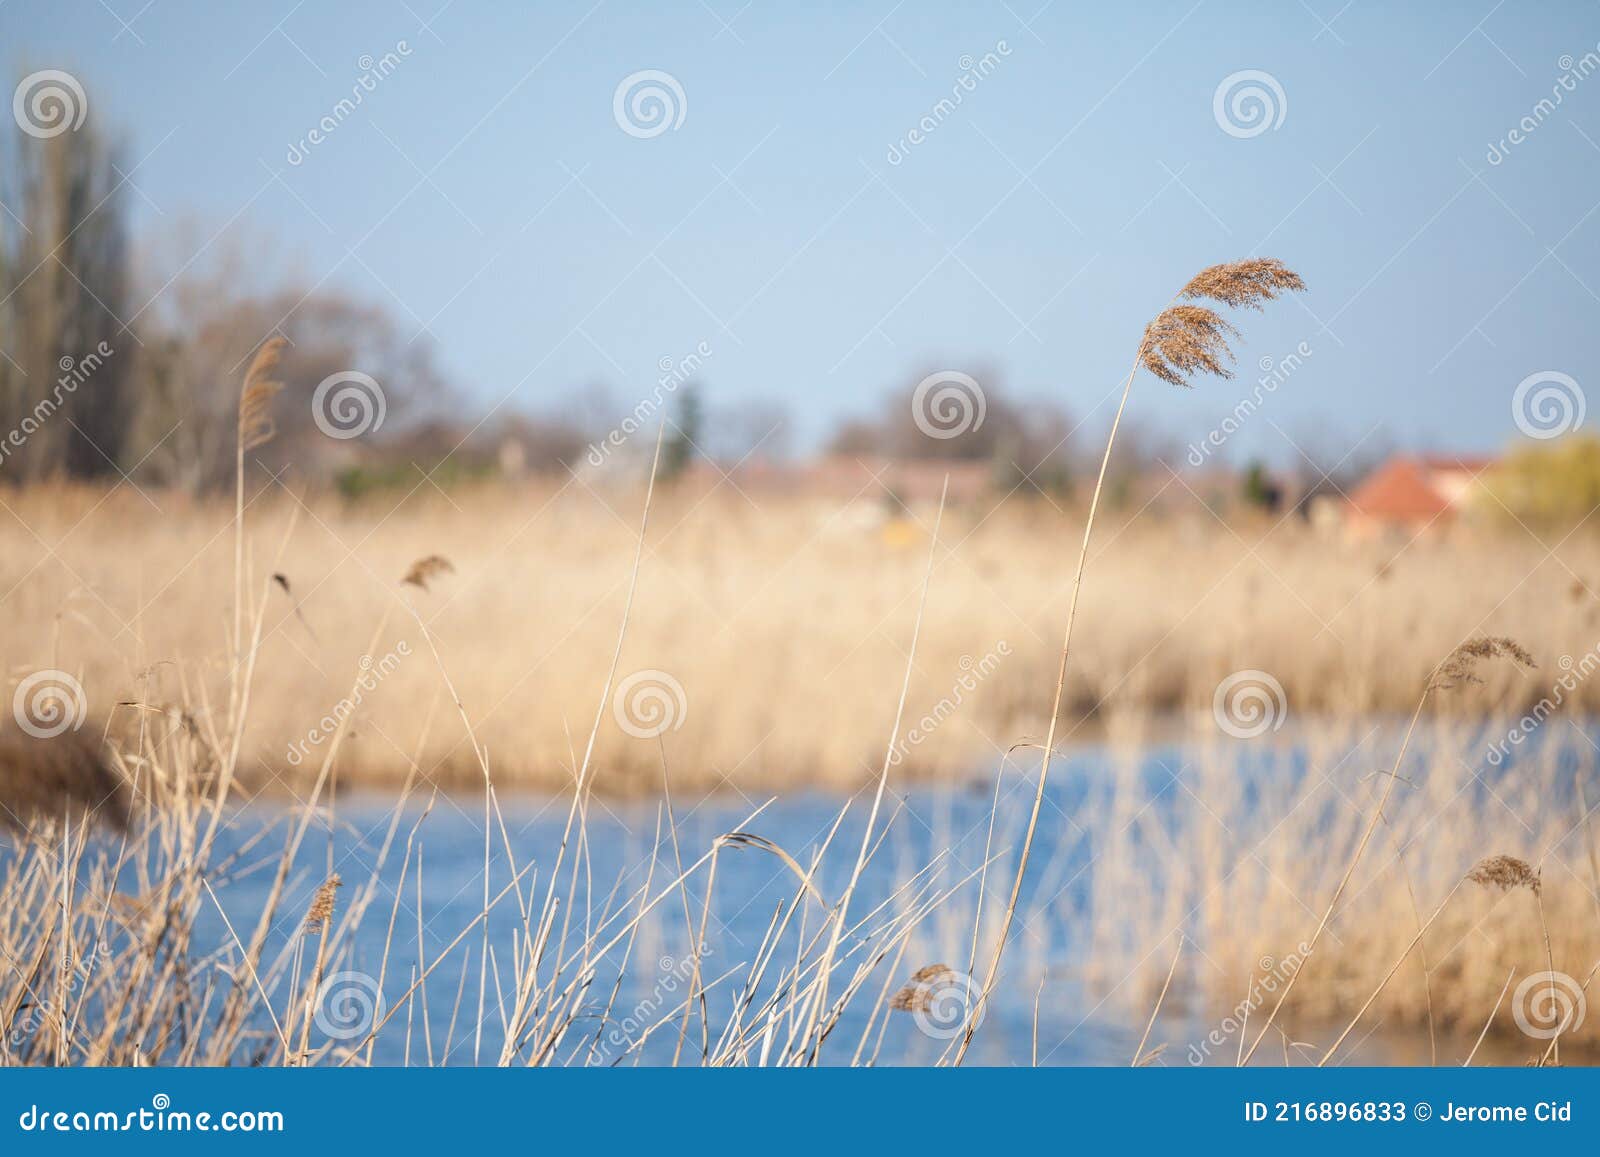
point(1244, 284)
point(1461, 665)
point(256, 427)
point(1505, 873)
point(1186, 339)
point(321, 910)
point(425, 570)
point(917, 995)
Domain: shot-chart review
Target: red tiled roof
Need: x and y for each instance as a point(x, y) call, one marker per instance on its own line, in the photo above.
point(1400, 489)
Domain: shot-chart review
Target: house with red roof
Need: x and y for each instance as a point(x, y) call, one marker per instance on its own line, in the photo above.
point(1414, 493)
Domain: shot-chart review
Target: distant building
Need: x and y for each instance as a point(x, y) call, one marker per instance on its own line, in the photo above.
point(845, 478)
point(1412, 493)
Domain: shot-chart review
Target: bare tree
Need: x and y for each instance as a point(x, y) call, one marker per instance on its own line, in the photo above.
point(968, 417)
point(202, 333)
point(66, 359)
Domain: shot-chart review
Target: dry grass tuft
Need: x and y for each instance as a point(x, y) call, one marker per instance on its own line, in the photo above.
point(42, 779)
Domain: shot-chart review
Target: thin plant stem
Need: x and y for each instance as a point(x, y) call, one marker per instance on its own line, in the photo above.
point(1050, 737)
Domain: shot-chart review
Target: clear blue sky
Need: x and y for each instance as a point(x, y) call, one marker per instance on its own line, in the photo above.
point(486, 192)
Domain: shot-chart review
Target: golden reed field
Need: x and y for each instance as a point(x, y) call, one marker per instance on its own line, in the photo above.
point(784, 621)
point(786, 627)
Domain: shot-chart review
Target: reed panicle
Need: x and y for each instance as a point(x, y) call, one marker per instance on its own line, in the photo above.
point(320, 913)
point(1461, 665)
point(918, 993)
point(256, 427)
point(1185, 340)
point(425, 570)
point(1246, 284)
point(1505, 873)
point(1188, 339)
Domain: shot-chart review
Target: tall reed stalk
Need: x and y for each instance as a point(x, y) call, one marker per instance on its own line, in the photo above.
point(1182, 340)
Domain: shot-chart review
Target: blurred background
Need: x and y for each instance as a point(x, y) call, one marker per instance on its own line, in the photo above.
point(519, 222)
point(864, 281)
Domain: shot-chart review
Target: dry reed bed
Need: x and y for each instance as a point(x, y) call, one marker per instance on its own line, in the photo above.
point(1241, 857)
point(66, 901)
point(781, 624)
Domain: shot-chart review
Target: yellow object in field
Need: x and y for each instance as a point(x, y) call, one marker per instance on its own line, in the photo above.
point(901, 532)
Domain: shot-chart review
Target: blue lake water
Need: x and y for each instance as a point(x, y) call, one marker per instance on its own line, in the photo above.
point(436, 890)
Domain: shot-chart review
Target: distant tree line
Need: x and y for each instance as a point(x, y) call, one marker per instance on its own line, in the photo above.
point(108, 365)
